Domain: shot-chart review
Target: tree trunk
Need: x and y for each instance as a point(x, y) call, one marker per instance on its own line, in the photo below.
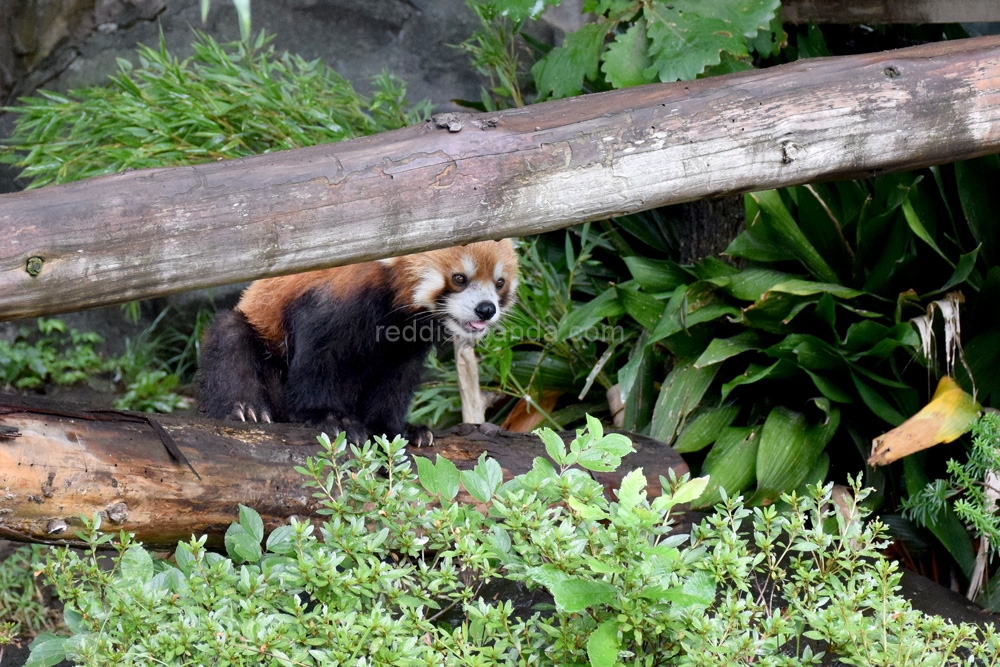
point(468, 177)
point(59, 460)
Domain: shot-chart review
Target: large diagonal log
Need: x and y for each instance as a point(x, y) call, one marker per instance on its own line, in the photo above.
point(58, 461)
point(889, 11)
point(470, 177)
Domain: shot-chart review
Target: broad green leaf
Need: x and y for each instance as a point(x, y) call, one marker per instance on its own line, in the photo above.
point(691, 305)
point(636, 382)
point(977, 190)
point(754, 244)
point(602, 645)
point(547, 575)
point(426, 474)
point(441, 478)
point(632, 490)
point(644, 308)
point(689, 490)
point(721, 349)
point(281, 540)
point(682, 49)
point(806, 287)
point(656, 275)
point(242, 547)
point(574, 595)
point(680, 395)
point(789, 448)
point(46, 650)
point(808, 352)
point(966, 265)
point(755, 373)
point(876, 402)
point(753, 282)
point(705, 428)
point(74, 620)
point(918, 228)
point(627, 60)
point(581, 318)
point(776, 218)
point(184, 557)
point(136, 563)
point(697, 591)
point(447, 478)
point(829, 388)
point(562, 71)
point(251, 522)
point(606, 454)
point(476, 486)
point(554, 445)
point(731, 464)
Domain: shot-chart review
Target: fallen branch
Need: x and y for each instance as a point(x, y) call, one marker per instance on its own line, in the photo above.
point(469, 177)
point(58, 461)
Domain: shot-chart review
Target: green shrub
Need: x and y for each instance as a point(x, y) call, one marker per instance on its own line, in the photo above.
point(397, 575)
point(225, 101)
point(53, 354)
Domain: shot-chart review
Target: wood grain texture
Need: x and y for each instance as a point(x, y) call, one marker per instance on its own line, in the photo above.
point(890, 11)
point(59, 460)
point(153, 232)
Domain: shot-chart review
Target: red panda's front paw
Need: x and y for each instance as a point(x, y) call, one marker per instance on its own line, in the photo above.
point(357, 434)
point(418, 435)
point(248, 412)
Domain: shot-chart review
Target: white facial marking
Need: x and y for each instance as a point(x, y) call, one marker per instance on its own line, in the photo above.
point(429, 286)
point(498, 271)
point(469, 266)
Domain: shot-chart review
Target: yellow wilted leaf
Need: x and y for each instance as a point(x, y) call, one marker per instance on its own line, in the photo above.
point(949, 414)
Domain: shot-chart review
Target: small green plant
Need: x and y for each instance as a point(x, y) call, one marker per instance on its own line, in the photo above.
point(25, 608)
point(52, 354)
point(153, 391)
point(399, 574)
point(971, 490)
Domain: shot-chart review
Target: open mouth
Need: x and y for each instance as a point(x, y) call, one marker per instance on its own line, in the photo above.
point(474, 327)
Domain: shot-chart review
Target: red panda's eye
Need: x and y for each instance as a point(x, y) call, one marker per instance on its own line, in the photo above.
point(459, 278)
point(500, 283)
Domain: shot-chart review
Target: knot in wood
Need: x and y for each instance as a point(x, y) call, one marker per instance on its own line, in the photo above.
point(891, 71)
point(34, 266)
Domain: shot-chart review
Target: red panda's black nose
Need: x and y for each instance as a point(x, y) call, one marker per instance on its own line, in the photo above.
point(485, 310)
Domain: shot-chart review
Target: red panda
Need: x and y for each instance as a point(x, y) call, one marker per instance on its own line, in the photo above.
point(345, 347)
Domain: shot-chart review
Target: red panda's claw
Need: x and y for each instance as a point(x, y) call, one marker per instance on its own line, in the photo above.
point(248, 412)
point(418, 435)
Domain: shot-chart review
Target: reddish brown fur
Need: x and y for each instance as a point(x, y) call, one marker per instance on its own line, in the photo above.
point(264, 302)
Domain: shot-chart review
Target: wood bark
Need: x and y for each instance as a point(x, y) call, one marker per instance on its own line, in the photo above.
point(889, 11)
point(468, 177)
point(59, 460)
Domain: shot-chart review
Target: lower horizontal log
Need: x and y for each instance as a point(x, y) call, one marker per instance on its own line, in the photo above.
point(60, 460)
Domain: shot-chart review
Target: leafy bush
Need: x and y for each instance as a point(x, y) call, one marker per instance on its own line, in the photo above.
point(398, 575)
point(222, 102)
point(637, 42)
point(55, 355)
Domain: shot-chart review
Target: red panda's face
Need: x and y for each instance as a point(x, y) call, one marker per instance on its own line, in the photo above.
point(470, 287)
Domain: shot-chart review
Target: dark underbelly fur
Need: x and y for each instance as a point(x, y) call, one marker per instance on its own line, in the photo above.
point(349, 366)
